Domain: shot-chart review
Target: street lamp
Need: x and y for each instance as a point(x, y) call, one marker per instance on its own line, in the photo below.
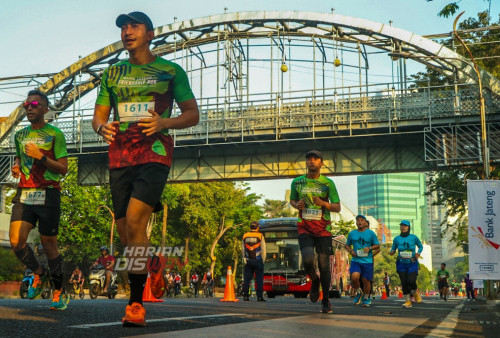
point(484, 145)
point(112, 226)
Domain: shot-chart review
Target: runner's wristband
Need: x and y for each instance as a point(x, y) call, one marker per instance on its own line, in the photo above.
point(43, 159)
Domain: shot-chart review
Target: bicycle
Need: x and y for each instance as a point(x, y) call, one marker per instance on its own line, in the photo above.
point(75, 289)
point(208, 291)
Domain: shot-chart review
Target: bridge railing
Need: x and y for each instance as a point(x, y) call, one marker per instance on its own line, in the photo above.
point(276, 115)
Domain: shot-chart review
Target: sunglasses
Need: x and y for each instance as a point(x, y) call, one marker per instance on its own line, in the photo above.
point(33, 104)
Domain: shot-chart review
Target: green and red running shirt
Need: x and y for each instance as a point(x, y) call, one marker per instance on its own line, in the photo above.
point(314, 219)
point(52, 144)
point(133, 89)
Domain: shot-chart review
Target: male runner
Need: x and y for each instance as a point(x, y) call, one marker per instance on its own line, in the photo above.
point(315, 196)
point(41, 161)
point(361, 243)
point(141, 91)
point(443, 276)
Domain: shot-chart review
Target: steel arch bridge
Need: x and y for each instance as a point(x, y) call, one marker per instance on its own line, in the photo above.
point(255, 128)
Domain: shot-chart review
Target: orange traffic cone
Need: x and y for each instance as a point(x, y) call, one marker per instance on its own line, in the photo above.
point(426, 293)
point(229, 290)
point(400, 294)
point(320, 295)
point(384, 295)
point(147, 295)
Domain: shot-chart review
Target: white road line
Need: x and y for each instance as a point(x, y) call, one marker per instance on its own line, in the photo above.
point(88, 326)
point(448, 325)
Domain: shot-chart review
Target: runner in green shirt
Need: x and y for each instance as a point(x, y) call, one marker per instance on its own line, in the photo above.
point(140, 91)
point(41, 161)
point(315, 196)
point(443, 276)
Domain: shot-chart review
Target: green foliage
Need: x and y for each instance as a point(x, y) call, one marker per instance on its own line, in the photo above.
point(276, 209)
point(385, 263)
point(343, 227)
point(483, 44)
point(10, 268)
point(200, 211)
point(424, 279)
point(449, 186)
point(83, 230)
point(449, 9)
point(460, 269)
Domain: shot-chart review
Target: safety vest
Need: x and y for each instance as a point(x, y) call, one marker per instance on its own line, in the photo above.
point(252, 241)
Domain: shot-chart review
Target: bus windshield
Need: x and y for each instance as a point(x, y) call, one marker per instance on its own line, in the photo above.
point(282, 253)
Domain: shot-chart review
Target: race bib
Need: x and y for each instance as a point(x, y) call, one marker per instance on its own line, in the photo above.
point(312, 214)
point(33, 196)
point(134, 111)
point(362, 253)
point(406, 254)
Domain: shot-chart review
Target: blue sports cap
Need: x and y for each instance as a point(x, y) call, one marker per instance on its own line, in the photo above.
point(405, 222)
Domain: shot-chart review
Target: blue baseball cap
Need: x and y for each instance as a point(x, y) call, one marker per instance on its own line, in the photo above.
point(405, 222)
point(361, 216)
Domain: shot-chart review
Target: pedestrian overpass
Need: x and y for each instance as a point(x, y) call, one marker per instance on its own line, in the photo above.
point(272, 85)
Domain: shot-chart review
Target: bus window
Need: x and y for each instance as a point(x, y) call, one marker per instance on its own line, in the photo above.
point(282, 255)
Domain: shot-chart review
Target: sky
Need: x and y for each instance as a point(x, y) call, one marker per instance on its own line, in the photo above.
point(46, 36)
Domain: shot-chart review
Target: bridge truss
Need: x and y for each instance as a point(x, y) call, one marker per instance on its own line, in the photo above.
point(271, 85)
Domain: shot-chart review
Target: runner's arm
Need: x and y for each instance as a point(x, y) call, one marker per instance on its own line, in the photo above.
point(333, 207)
point(101, 125)
point(298, 204)
point(59, 166)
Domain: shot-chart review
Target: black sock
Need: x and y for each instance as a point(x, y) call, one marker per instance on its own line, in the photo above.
point(55, 267)
point(27, 257)
point(137, 283)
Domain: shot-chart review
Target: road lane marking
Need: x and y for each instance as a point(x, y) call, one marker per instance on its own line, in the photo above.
point(88, 326)
point(447, 325)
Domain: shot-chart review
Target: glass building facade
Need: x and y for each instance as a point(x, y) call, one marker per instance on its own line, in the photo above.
point(391, 198)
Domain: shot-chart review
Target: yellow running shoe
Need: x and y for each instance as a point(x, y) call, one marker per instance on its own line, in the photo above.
point(407, 304)
point(418, 298)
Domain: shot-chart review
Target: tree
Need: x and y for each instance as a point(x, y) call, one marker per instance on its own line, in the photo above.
point(82, 230)
point(424, 279)
point(207, 219)
point(449, 186)
point(451, 8)
point(10, 269)
point(276, 209)
point(343, 227)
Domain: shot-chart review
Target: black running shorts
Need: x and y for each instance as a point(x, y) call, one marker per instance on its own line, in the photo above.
point(442, 284)
point(144, 182)
point(47, 215)
point(323, 245)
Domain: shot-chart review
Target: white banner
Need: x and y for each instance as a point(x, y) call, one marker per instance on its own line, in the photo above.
point(483, 199)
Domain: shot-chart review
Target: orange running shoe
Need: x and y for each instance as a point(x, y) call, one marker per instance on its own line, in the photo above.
point(155, 267)
point(135, 315)
point(35, 288)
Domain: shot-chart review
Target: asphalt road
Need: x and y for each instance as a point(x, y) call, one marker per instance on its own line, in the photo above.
point(281, 316)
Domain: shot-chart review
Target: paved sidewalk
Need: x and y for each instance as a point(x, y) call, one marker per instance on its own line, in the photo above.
point(479, 318)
